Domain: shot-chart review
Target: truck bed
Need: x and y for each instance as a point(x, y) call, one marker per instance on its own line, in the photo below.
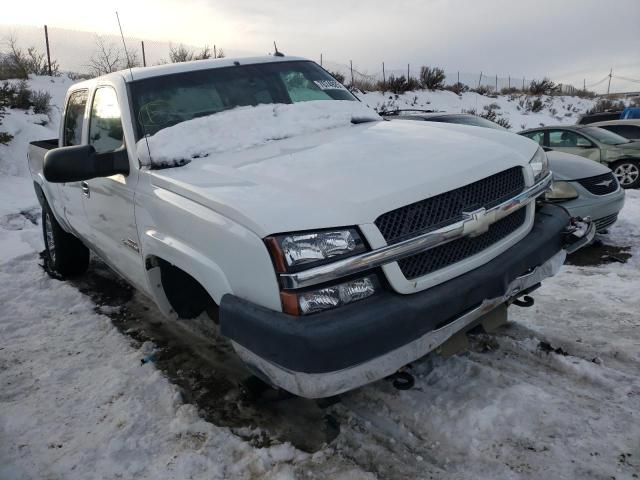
point(36, 153)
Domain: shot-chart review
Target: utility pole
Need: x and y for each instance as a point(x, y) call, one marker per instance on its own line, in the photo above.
point(384, 79)
point(509, 82)
point(46, 38)
point(480, 80)
point(407, 72)
point(144, 57)
point(215, 52)
point(351, 63)
point(609, 85)
point(523, 84)
point(458, 76)
point(320, 59)
point(496, 83)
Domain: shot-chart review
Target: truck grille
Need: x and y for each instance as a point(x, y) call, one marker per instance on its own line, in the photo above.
point(457, 250)
point(446, 208)
point(600, 185)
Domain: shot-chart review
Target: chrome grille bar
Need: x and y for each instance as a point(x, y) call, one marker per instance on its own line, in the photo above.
point(474, 223)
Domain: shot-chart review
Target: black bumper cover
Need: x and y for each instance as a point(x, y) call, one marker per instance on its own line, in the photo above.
point(337, 339)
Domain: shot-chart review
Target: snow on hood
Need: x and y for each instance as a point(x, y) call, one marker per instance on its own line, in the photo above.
point(246, 127)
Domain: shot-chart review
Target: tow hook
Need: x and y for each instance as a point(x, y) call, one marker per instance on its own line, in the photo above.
point(578, 233)
point(524, 301)
point(402, 380)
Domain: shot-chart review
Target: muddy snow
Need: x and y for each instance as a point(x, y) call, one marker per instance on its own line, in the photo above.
point(94, 383)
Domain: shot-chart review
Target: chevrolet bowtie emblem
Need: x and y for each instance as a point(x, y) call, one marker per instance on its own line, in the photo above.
point(604, 183)
point(478, 222)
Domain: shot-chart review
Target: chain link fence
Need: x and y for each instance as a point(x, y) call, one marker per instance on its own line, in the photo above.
point(86, 54)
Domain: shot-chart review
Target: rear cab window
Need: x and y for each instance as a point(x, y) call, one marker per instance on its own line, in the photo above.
point(74, 118)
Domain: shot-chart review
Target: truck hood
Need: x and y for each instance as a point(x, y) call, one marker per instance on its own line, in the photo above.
point(566, 166)
point(343, 176)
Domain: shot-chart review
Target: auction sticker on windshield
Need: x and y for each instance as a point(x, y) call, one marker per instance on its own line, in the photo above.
point(329, 85)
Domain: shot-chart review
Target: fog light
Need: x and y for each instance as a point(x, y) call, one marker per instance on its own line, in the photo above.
point(305, 303)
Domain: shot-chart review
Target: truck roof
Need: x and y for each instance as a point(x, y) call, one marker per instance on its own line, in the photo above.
point(140, 73)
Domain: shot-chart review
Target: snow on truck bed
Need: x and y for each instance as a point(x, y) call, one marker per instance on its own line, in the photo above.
point(246, 127)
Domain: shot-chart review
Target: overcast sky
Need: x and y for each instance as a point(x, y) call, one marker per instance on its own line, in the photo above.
point(567, 40)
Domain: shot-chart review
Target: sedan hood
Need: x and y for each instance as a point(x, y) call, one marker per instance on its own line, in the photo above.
point(343, 176)
point(566, 166)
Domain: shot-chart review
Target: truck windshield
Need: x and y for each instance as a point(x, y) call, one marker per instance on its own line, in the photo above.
point(605, 136)
point(163, 101)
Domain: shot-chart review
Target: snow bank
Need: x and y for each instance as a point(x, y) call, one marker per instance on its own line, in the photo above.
point(556, 109)
point(246, 127)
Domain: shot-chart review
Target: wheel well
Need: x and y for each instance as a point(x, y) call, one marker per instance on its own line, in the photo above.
point(185, 294)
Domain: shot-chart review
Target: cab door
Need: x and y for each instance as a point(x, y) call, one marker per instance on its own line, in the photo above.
point(572, 142)
point(70, 193)
point(109, 201)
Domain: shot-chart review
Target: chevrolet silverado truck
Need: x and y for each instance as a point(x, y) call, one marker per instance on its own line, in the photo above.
point(329, 246)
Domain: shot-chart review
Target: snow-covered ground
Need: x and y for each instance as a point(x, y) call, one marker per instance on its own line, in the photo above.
point(77, 402)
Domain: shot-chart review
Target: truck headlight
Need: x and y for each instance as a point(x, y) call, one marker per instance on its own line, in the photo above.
point(305, 303)
point(297, 251)
point(561, 191)
point(539, 164)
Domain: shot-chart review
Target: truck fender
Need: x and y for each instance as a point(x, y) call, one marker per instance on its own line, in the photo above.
point(158, 246)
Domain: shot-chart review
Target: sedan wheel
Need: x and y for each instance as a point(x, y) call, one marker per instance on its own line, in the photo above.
point(628, 173)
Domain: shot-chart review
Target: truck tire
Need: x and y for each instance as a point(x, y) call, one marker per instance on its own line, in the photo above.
point(65, 254)
point(627, 172)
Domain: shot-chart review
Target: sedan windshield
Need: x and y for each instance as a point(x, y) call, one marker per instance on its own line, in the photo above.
point(163, 101)
point(605, 136)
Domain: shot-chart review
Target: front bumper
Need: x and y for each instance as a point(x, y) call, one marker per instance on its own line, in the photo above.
point(602, 209)
point(338, 350)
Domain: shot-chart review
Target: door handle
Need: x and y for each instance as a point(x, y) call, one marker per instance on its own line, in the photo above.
point(85, 189)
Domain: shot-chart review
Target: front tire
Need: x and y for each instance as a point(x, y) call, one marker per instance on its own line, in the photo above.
point(627, 172)
point(65, 254)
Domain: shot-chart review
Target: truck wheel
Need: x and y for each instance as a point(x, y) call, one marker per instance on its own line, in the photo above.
point(65, 254)
point(627, 172)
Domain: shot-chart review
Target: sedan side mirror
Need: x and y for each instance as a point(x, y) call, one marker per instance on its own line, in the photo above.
point(81, 162)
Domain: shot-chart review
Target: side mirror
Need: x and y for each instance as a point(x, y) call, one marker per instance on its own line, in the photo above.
point(81, 162)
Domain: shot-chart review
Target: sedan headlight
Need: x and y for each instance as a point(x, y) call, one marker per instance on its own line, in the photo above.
point(561, 191)
point(539, 164)
point(296, 251)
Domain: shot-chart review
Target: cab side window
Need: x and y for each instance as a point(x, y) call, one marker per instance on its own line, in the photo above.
point(105, 123)
point(73, 118)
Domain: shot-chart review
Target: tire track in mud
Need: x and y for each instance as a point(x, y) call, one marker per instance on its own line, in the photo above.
point(206, 369)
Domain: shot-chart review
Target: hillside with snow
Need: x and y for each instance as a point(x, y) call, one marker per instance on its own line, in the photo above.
point(94, 384)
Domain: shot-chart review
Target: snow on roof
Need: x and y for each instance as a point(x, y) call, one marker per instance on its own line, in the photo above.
point(246, 127)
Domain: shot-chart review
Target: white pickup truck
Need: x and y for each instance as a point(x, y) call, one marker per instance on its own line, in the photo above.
point(331, 247)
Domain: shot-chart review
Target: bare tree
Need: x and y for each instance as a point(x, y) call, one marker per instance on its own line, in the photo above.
point(109, 57)
point(181, 53)
point(106, 58)
point(20, 63)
